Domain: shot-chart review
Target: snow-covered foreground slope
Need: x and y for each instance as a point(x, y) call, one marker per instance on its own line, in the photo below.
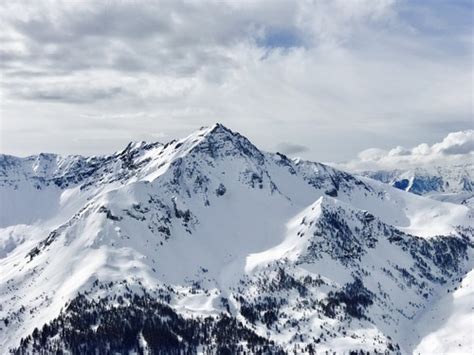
point(208, 243)
point(448, 325)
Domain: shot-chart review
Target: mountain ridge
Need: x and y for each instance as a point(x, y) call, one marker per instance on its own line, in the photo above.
point(291, 255)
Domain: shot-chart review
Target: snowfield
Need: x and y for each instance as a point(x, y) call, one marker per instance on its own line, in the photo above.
point(447, 327)
point(180, 238)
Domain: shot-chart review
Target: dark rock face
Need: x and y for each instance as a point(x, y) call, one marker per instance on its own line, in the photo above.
point(424, 184)
point(354, 296)
point(221, 190)
point(332, 235)
point(401, 184)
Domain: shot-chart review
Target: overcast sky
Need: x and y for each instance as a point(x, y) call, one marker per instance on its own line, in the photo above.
point(318, 79)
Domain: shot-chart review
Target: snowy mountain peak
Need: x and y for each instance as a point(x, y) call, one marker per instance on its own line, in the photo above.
point(217, 140)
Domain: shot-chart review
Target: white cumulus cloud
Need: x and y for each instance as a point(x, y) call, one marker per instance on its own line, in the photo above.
point(455, 148)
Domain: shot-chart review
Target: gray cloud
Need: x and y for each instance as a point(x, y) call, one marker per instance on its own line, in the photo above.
point(76, 95)
point(456, 143)
point(464, 148)
point(169, 36)
point(290, 148)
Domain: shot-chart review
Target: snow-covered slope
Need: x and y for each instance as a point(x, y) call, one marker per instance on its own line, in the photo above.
point(448, 326)
point(211, 243)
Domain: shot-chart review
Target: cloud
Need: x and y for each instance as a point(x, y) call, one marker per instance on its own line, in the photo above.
point(455, 148)
point(290, 148)
point(328, 75)
point(456, 143)
point(68, 94)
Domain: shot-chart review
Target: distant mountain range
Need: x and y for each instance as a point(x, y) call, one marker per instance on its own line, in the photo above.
point(442, 171)
point(445, 183)
point(207, 244)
